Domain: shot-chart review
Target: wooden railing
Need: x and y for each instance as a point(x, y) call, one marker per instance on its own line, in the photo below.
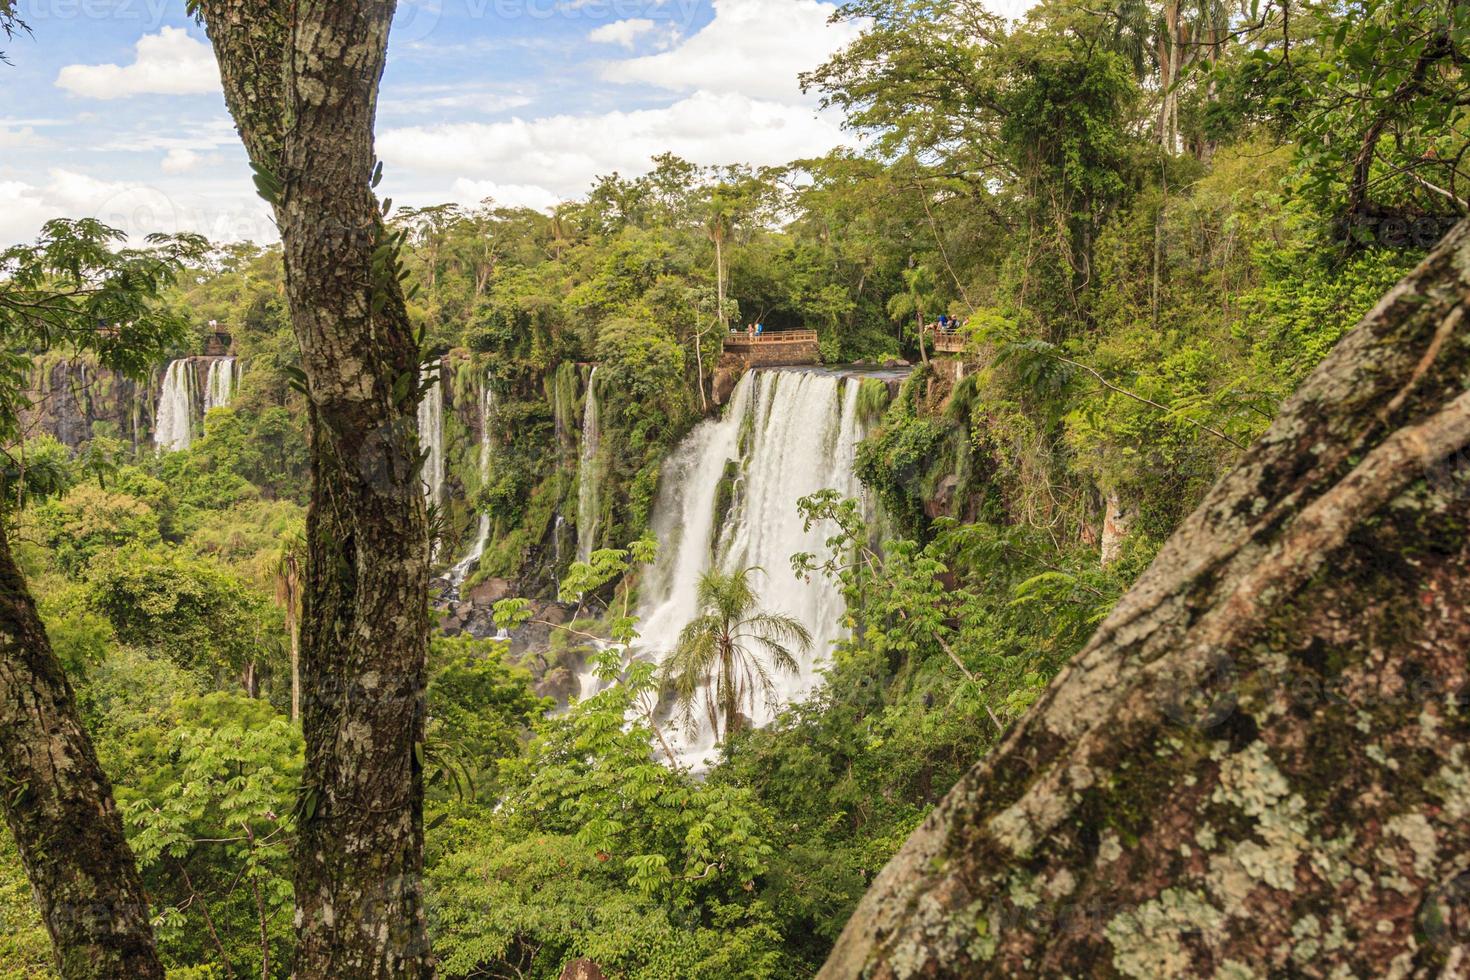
point(746, 339)
point(946, 343)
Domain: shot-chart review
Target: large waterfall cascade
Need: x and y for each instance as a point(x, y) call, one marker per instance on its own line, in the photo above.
point(588, 473)
point(431, 434)
point(465, 565)
point(180, 407)
point(786, 434)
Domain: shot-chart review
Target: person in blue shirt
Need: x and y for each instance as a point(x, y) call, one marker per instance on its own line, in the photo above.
point(760, 328)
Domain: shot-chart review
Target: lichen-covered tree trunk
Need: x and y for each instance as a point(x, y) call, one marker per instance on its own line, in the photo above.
point(59, 805)
point(301, 81)
point(1260, 765)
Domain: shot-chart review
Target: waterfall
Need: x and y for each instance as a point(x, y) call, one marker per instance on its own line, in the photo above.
point(173, 429)
point(462, 569)
point(786, 434)
point(431, 433)
point(587, 472)
point(220, 384)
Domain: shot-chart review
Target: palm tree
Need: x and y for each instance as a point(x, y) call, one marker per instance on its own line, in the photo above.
point(717, 660)
point(920, 297)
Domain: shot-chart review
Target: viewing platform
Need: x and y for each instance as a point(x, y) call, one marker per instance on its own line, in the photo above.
point(775, 348)
point(946, 342)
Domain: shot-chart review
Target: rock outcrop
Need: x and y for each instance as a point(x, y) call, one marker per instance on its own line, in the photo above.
point(1258, 766)
point(74, 400)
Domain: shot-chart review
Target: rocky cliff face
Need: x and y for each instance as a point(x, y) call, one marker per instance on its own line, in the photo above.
point(1257, 767)
point(74, 401)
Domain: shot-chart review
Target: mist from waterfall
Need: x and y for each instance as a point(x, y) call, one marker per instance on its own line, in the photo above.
point(173, 429)
point(588, 473)
point(786, 434)
point(465, 565)
point(431, 433)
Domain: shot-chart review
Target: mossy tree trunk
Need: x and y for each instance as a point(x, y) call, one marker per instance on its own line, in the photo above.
point(1260, 765)
point(59, 805)
point(301, 80)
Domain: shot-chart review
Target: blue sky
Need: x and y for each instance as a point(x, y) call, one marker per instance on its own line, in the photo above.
point(113, 109)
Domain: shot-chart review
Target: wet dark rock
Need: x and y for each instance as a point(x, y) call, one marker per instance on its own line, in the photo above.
point(558, 683)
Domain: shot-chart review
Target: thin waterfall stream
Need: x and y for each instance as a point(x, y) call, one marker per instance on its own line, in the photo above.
point(173, 427)
point(465, 565)
point(431, 433)
point(588, 473)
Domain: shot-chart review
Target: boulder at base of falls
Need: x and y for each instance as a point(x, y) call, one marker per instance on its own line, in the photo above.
point(457, 616)
point(559, 684)
point(490, 591)
point(582, 970)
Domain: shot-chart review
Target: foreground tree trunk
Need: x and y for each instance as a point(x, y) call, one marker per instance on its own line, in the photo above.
point(59, 805)
point(301, 81)
point(1260, 765)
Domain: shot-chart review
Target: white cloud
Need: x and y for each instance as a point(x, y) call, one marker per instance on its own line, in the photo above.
point(208, 134)
point(504, 195)
point(221, 210)
point(167, 63)
point(624, 33)
point(178, 161)
point(23, 214)
point(21, 138)
point(753, 47)
point(485, 100)
point(562, 154)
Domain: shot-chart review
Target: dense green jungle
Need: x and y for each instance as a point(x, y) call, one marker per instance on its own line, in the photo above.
point(1143, 224)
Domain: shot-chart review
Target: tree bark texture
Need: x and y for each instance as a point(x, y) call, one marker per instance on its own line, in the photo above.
point(301, 81)
point(59, 805)
point(1260, 765)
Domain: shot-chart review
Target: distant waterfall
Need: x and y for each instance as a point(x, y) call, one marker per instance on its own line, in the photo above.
point(465, 565)
point(786, 434)
point(173, 429)
point(220, 383)
point(431, 433)
point(588, 485)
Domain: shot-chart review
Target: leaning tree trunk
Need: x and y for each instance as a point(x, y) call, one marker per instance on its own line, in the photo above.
point(59, 806)
point(301, 80)
point(1260, 765)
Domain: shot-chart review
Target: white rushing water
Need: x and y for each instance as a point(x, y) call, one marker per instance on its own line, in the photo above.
point(220, 383)
point(588, 488)
point(173, 429)
point(801, 431)
point(465, 565)
point(431, 433)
